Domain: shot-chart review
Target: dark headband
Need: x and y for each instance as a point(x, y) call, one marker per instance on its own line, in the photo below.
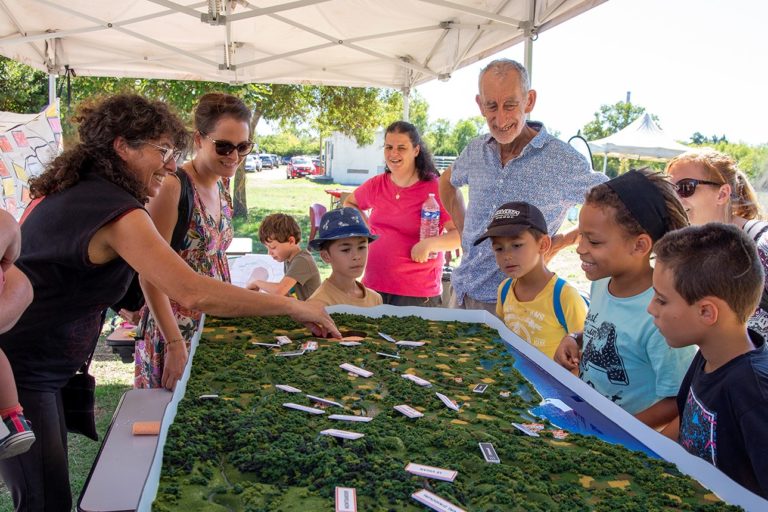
point(643, 200)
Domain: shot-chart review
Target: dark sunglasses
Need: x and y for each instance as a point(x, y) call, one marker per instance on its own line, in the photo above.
point(225, 148)
point(687, 186)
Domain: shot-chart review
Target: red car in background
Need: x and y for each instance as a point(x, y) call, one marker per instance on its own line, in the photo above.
point(319, 167)
point(299, 167)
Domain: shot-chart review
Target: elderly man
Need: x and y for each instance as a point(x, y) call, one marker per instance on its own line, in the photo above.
point(517, 161)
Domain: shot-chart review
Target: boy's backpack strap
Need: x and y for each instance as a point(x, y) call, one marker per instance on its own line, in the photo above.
point(556, 303)
point(186, 204)
point(505, 289)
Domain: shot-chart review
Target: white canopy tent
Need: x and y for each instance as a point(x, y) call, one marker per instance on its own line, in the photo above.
point(642, 138)
point(393, 43)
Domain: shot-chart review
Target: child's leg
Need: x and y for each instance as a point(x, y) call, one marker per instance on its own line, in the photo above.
point(16, 435)
point(8, 396)
point(15, 297)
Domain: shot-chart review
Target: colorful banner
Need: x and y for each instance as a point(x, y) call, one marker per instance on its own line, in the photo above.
point(28, 142)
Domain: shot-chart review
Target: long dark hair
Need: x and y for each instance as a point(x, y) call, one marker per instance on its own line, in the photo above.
point(425, 166)
point(215, 105)
point(101, 121)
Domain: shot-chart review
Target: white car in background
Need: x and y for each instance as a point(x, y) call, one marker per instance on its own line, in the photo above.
point(252, 163)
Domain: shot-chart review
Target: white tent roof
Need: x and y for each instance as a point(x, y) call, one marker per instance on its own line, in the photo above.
point(642, 138)
point(383, 43)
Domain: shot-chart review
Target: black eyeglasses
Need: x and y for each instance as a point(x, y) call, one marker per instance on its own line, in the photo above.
point(687, 186)
point(168, 153)
point(225, 148)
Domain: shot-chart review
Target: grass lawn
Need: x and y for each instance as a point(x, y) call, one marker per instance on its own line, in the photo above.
point(265, 196)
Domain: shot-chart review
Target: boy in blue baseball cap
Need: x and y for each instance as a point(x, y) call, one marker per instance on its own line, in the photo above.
point(343, 244)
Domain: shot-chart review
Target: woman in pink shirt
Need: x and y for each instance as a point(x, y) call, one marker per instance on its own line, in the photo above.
point(399, 267)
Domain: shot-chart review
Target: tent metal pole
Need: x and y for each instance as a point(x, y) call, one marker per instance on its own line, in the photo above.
point(51, 89)
point(406, 91)
point(605, 162)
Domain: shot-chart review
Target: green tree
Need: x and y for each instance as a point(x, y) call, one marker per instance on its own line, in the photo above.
point(393, 110)
point(466, 130)
point(352, 111)
point(439, 138)
point(22, 89)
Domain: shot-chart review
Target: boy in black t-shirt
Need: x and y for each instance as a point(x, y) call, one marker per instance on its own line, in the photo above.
point(708, 281)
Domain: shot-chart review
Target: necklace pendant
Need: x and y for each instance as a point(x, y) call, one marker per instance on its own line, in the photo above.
point(397, 196)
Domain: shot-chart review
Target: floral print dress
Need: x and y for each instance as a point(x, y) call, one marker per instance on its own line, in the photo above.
point(205, 251)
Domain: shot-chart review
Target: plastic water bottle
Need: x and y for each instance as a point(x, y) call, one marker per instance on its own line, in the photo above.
point(430, 221)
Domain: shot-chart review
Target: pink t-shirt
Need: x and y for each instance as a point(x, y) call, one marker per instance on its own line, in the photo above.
point(390, 268)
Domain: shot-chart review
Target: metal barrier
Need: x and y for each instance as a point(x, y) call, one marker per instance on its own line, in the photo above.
point(443, 162)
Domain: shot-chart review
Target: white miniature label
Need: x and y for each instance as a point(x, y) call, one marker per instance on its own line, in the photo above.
point(291, 353)
point(435, 502)
point(447, 401)
point(287, 389)
point(525, 430)
point(324, 401)
point(408, 411)
point(309, 346)
point(304, 408)
point(489, 453)
point(268, 345)
point(447, 475)
point(349, 343)
point(388, 337)
point(480, 388)
point(384, 354)
point(417, 380)
point(356, 370)
point(347, 417)
point(283, 340)
point(208, 397)
point(344, 434)
point(346, 499)
point(409, 343)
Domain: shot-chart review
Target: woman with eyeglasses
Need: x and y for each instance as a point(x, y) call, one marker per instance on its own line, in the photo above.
point(81, 241)
point(712, 188)
point(222, 139)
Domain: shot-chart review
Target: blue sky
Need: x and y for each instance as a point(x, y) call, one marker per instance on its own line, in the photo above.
point(699, 65)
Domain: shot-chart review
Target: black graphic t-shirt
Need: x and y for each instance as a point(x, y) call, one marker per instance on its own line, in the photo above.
point(724, 416)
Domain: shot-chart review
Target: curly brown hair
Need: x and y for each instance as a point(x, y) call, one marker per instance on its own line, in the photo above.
point(603, 196)
point(101, 121)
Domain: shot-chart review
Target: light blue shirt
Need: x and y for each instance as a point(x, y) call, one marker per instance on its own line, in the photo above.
point(548, 173)
point(625, 357)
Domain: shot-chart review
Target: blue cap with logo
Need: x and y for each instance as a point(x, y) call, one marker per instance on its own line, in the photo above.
point(341, 223)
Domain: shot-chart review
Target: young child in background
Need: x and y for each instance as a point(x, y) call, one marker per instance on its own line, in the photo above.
point(533, 302)
point(16, 435)
point(624, 356)
point(281, 234)
point(708, 280)
point(343, 243)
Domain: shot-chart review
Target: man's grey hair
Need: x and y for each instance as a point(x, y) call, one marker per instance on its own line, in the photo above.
point(501, 67)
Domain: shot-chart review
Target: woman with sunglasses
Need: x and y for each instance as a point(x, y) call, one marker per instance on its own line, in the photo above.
point(81, 241)
point(222, 139)
point(713, 189)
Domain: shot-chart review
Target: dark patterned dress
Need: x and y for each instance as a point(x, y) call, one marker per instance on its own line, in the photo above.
point(205, 251)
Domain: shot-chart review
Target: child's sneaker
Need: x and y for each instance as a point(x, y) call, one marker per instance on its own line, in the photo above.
point(19, 437)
